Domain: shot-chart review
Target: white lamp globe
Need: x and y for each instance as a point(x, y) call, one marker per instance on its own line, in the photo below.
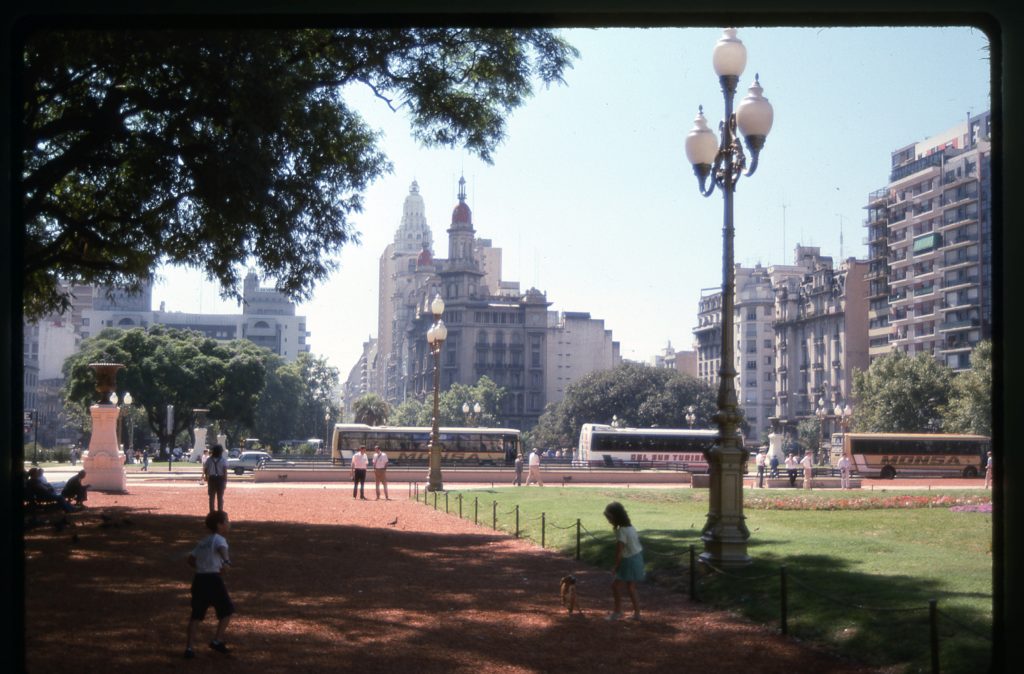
point(431, 334)
point(729, 56)
point(701, 142)
point(437, 306)
point(441, 332)
point(754, 115)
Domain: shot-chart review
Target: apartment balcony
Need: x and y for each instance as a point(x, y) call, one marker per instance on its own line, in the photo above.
point(961, 263)
point(949, 326)
point(966, 282)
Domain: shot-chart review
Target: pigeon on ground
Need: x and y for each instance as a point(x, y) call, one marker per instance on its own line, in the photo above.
point(393, 522)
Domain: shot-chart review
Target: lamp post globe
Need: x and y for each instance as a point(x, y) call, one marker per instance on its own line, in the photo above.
point(435, 339)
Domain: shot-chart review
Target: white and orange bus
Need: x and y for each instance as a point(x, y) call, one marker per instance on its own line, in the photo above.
point(887, 455)
point(410, 444)
point(603, 445)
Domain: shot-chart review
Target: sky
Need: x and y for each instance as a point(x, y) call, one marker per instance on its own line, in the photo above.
point(592, 200)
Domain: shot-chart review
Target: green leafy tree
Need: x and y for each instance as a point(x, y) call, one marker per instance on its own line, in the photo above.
point(485, 392)
point(408, 413)
point(371, 409)
point(276, 407)
point(209, 148)
point(639, 395)
point(808, 433)
point(320, 381)
point(901, 394)
point(166, 366)
point(970, 402)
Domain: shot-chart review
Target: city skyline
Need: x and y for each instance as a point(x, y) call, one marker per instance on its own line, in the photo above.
point(593, 179)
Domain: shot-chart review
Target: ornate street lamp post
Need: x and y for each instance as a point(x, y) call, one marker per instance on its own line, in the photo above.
point(474, 417)
point(691, 415)
point(822, 414)
point(725, 533)
point(435, 339)
point(131, 425)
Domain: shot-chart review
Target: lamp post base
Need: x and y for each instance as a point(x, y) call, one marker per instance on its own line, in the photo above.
point(725, 533)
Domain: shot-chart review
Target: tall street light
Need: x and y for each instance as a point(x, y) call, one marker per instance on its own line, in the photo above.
point(131, 424)
point(725, 533)
point(822, 414)
point(435, 339)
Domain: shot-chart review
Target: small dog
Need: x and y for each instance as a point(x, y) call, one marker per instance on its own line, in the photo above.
point(567, 588)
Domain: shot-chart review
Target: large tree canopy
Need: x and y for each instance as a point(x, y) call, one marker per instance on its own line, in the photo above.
point(638, 395)
point(213, 148)
point(970, 401)
point(901, 394)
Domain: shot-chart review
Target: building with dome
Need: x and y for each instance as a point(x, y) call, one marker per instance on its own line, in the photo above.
point(494, 329)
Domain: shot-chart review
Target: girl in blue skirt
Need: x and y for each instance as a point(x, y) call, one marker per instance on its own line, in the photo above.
point(629, 559)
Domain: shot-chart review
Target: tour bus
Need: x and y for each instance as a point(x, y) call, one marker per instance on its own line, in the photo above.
point(887, 455)
point(410, 444)
point(603, 445)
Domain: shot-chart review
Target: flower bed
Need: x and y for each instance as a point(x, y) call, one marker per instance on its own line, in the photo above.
point(960, 503)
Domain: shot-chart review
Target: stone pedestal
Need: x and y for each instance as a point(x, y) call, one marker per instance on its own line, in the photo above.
point(197, 451)
point(104, 461)
point(222, 440)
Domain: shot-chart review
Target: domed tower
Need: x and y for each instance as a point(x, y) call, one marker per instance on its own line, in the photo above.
point(461, 233)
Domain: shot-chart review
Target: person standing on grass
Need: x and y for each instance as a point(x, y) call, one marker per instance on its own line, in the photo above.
point(534, 474)
point(988, 472)
point(518, 479)
point(215, 472)
point(808, 463)
point(359, 464)
point(791, 465)
point(629, 560)
point(210, 559)
point(759, 462)
point(773, 464)
point(380, 472)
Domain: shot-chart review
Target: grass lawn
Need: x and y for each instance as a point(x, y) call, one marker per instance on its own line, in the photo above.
point(861, 566)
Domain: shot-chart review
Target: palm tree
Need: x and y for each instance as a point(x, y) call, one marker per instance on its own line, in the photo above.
point(371, 409)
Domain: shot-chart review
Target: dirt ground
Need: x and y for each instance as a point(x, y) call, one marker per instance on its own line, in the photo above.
point(322, 582)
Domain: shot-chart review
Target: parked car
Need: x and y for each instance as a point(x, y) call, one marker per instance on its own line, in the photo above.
point(248, 461)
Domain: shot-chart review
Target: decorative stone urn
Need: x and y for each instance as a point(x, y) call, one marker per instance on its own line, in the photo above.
point(104, 460)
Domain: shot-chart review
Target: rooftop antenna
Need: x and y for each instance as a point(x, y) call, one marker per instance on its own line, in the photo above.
point(840, 236)
point(784, 206)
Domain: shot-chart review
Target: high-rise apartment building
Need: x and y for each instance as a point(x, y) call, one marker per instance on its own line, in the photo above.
point(929, 247)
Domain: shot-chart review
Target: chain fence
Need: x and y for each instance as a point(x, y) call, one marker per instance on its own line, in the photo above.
point(700, 570)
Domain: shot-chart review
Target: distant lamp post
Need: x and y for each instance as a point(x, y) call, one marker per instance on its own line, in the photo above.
point(616, 422)
point(435, 339)
point(472, 414)
point(844, 415)
point(131, 424)
point(691, 415)
point(327, 430)
point(822, 414)
point(725, 533)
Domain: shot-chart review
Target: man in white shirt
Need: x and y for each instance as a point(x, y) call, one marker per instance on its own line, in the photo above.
point(380, 472)
point(759, 462)
point(844, 471)
point(534, 474)
point(791, 465)
point(808, 463)
point(359, 463)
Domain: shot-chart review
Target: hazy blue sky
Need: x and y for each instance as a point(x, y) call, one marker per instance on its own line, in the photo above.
point(591, 197)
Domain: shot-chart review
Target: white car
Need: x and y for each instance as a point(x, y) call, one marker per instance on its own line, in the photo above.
point(248, 461)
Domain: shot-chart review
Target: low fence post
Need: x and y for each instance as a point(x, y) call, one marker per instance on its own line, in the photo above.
point(783, 608)
point(494, 515)
point(476, 505)
point(693, 572)
point(543, 520)
point(577, 539)
point(435, 500)
point(446, 503)
point(460, 506)
point(933, 628)
point(517, 520)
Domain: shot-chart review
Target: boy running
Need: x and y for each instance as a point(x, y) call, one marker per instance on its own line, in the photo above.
point(209, 558)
